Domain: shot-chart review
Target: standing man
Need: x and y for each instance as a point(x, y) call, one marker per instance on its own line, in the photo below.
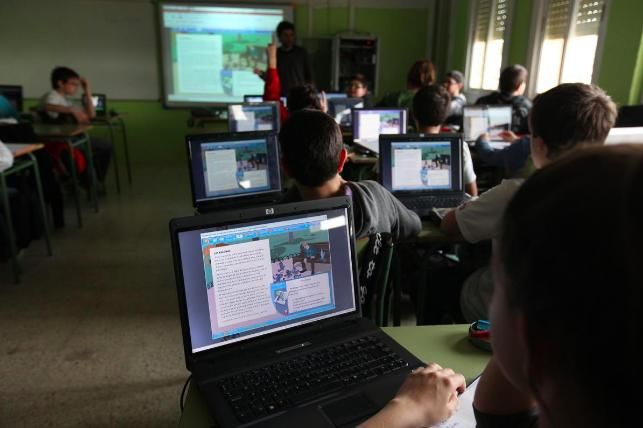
point(292, 60)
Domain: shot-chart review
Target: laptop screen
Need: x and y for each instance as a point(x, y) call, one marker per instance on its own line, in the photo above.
point(253, 117)
point(247, 280)
point(480, 119)
point(369, 124)
point(99, 103)
point(421, 163)
point(231, 165)
point(259, 99)
point(340, 109)
point(13, 93)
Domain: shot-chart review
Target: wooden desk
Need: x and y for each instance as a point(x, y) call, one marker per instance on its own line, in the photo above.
point(112, 121)
point(445, 344)
point(74, 136)
point(23, 153)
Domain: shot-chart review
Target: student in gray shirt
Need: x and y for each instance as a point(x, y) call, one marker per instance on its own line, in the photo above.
point(313, 155)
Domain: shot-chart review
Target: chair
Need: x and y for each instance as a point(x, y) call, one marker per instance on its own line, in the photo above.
point(374, 277)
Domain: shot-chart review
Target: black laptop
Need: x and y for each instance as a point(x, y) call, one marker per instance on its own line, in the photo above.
point(340, 110)
point(233, 169)
point(259, 99)
point(99, 101)
point(271, 322)
point(13, 93)
point(423, 171)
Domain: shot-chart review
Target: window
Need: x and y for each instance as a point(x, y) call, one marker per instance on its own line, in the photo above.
point(489, 32)
point(569, 41)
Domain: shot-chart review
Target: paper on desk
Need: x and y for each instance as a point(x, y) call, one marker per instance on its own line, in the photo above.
point(463, 417)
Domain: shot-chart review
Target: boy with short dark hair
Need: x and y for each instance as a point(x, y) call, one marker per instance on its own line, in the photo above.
point(512, 85)
point(430, 109)
point(65, 83)
point(563, 119)
point(313, 155)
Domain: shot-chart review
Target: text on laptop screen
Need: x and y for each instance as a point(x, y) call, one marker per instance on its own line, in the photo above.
point(421, 165)
point(253, 279)
point(491, 119)
point(222, 169)
point(368, 125)
point(250, 117)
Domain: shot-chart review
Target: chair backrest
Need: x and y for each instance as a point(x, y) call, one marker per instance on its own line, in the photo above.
point(374, 277)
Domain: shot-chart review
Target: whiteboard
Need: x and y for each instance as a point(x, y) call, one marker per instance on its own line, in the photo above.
point(111, 42)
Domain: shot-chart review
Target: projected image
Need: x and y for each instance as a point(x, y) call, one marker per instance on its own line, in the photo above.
point(235, 168)
point(423, 165)
point(212, 51)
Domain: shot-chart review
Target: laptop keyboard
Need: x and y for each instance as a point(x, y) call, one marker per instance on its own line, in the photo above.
point(428, 202)
point(276, 387)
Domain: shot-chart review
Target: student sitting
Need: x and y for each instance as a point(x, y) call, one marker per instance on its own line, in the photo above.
point(512, 85)
point(565, 118)
point(566, 308)
point(65, 83)
point(430, 107)
point(512, 158)
point(421, 73)
point(358, 88)
point(313, 155)
point(454, 83)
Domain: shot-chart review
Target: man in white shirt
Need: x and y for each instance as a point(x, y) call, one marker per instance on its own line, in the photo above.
point(565, 118)
point(57, 105)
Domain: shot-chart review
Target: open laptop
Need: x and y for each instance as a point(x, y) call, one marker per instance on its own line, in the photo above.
point(13, 93)
point(423, 171)
point(270, 315)
point(100, 104)
point(233, 169)
point(253, 117)
point(340, 109)
point(488, 118)
point(259, 99)
point(370, 123)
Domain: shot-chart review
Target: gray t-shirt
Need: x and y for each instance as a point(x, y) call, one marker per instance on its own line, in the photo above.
point(375, 210)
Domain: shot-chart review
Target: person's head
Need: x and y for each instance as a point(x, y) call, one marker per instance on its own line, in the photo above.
point(431, 106)
point(566, 309)
point(454, 82)
point(304, 96)
point(65, 79)
point(358, 86)
point(421, 73)
point(312, 149)
point(513, 80)
point(568, 116)
point(286, 34)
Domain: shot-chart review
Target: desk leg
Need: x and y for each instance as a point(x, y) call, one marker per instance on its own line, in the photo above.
point(12, 239)
point(92, 171)
point(126, 150)
point(74, 179)
point(114, 156)
point(41, 201)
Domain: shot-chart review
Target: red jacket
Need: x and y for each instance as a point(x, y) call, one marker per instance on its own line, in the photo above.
point(272, 92)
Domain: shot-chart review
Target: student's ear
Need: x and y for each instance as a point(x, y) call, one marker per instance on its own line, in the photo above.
point(343, 155)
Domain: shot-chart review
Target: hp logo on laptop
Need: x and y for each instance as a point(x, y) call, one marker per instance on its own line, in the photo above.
point(270, 211)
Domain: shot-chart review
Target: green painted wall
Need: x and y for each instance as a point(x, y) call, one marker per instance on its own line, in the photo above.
point(460, 33)
point(520, 32)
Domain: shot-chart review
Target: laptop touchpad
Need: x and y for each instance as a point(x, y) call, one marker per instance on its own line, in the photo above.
point(347, 411)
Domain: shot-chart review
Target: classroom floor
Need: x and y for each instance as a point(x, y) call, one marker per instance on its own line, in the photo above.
point(91, 336)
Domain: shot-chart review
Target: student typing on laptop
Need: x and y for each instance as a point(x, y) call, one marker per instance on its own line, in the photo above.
point(313, 155)
point(430, 108)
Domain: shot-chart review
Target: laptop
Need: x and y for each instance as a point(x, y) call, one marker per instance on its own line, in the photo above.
point(334, 95)
point(370, 123)
point(270, 315)
point(340, 109)
point(13, 93)
point(259, 99)
point(233, 169)
point(253, 117)
point(423, 171)
point(488, 118)
point(100, 104)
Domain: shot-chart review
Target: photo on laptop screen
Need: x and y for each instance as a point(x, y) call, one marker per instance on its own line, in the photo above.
point(369, 124)
point(253, 117)
point(491, 119)
point(421, 165)
point(230, 165)
point(250, 279)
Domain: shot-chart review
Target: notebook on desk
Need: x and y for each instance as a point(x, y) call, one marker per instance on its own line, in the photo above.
point(253, 117)
point(488, 118)
point(270, 314)
point(423, 171)
point(233, 169)
point(370, 123)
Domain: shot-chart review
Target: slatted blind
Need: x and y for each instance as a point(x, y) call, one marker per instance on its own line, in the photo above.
point(588, 17)
point(482, 20)
point(558, 17)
